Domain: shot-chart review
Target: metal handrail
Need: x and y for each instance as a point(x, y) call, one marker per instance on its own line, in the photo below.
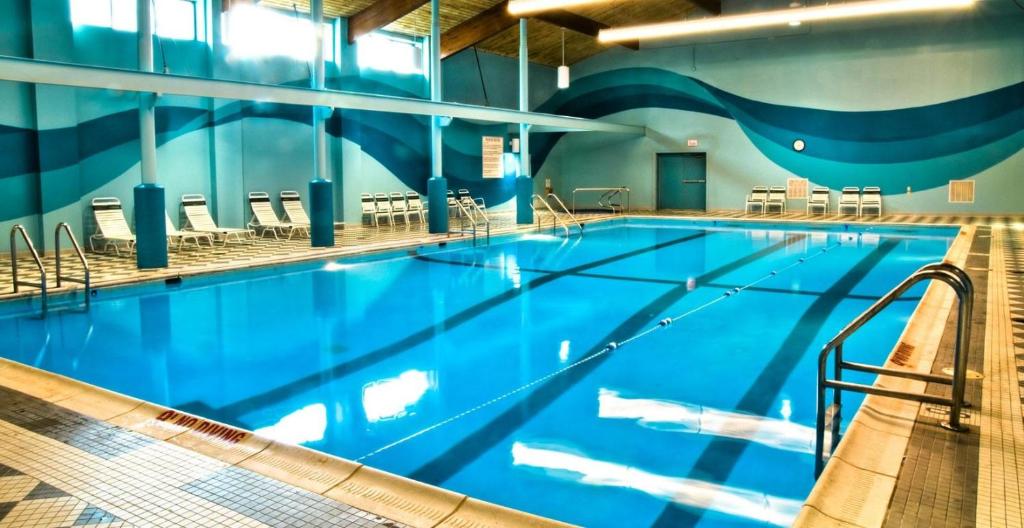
point(85, 281)
point(19, 229)
point(474, 206)
point(467, 214)
point(566, 209)
point(961, 283)
point(555, 220)
point(607, 190)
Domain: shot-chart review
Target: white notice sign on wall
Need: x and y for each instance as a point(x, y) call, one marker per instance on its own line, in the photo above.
point(493, 148)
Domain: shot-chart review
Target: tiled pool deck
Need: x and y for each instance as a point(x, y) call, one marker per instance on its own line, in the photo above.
point(74, 455)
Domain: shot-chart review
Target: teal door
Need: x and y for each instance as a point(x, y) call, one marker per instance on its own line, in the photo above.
point(682, 181)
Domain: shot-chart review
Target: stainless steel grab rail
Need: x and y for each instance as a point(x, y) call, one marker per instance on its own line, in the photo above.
point(607, 192)
point(85, 281)
point(19, 229)
point(555, 220)
point(566, 210)
point(468, 214)
point(961, 283)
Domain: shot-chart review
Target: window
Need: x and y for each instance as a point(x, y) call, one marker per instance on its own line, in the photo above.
point(251, 31)
point(380, 51)
point(176, 19)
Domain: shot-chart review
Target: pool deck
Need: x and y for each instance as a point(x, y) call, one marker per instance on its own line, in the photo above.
point(76, 455)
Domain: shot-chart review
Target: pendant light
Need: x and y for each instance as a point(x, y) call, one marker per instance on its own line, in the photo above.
point(563, 70)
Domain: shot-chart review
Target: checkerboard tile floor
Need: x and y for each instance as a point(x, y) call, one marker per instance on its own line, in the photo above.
point(51, 479)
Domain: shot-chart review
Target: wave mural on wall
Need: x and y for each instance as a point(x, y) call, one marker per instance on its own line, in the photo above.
point(923, 147)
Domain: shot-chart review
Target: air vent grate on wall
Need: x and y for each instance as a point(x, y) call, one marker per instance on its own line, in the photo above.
point(961, 191)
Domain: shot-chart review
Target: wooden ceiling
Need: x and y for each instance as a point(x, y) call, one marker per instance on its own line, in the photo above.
point(545, 33)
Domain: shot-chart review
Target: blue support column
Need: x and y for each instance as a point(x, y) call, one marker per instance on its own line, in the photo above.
point(150, 210)
point(321, 192)
point(437, 186)
point(524, 182)
point(150, 226)
point(321, 213)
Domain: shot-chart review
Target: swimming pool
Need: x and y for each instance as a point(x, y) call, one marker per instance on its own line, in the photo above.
point(487, 370)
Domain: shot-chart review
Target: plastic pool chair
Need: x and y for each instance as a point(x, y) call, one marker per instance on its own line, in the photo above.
point(293, 210)
point(468, 201)
point(199, 219)
point(757, 197)
point(776, 199)
point(453, 206)
point(819, 200)
point(871, 200)
point(369, 208)
point(398, 206)
point(416, 205)
point(111, 227)
point(183, 236)
point(383, 208)
point(849, 200)
point(265, 220)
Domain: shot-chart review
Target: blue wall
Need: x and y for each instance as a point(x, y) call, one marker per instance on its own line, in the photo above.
point(64, 146)
point(899, 106)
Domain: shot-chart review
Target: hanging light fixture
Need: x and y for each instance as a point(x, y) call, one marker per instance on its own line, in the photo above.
point(563, 70)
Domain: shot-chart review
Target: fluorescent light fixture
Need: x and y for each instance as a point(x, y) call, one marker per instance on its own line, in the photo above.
point(783, 17)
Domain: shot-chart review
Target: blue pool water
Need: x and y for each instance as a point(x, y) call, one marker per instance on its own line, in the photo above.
point(484, 370)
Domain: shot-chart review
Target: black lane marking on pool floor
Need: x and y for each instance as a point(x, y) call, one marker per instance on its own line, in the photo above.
point(721, 455)
point(464, 452)
point(230, 413)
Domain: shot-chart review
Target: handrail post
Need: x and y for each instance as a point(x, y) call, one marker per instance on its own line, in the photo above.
point(19, 229)
point(66, 228)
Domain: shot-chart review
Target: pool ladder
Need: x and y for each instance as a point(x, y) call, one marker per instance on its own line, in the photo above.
point(556, 221)
point(62, 228)
point(830, 417)
point(476, 216)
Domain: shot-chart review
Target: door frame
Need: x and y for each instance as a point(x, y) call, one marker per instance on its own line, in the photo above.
point(657, 174)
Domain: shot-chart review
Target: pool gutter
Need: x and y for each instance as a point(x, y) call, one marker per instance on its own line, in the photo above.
point(858, 483)
point(387, 495)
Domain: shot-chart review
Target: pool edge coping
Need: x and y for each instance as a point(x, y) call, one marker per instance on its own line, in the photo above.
point(857, 489)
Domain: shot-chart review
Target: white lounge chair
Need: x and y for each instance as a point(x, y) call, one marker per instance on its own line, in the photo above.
point(265, 220)
point(399, 207)
point(468, 201)
point(111, 226)
point(199, 219)
point(183, 236)
point(369, 208)
point(757, 197)
point(294, 213)
point(871, 200)
point(819, 200)
point(382, 208)
point(416, 205)
point(776, 199)
point(849, 200)
point(453, 206)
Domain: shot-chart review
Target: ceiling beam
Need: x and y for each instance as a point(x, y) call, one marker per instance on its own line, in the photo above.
point(479, 28)
point(711, 6)
point(378, 15)
point(579, 24)
point(66, 74)
point(497, 19)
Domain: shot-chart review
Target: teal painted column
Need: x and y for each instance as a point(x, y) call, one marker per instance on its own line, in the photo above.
point(150, 202)
point(321, 192)
point(524, 183)
point(437, 186)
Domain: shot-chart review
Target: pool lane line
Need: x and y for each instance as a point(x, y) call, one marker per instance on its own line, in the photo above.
point(720, 457)
point(467, 450)
point(230, 412)
point(669, 282)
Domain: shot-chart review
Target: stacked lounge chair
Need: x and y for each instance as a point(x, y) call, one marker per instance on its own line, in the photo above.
point(849, 200)
point(399, 207)
point(199, 219)
point(416, 206)
point(871, 200)
point(757, 198)
point(819, 200)
point(776, 199)
point(264, 220)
